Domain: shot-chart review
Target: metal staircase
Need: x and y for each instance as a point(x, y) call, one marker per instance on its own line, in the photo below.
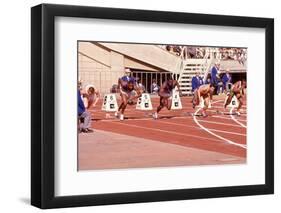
point(187, 68)
point(190, 68)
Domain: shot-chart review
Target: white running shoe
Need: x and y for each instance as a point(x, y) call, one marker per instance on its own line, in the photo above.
point(121, 117)
point(116, 114)
point(204, 114)
point(155, 115)
point(238, 113)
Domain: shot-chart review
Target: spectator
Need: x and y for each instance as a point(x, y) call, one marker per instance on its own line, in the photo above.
point(196, 82)
point(208, 80)
point(114, 88)
point(83, 116)
point(90, 96)
point(219, 87)
point(154, 87)
point(215, 74)
point(226, 79)
point(191, 52)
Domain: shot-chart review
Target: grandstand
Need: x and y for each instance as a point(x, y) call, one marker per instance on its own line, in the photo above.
point(102, 63)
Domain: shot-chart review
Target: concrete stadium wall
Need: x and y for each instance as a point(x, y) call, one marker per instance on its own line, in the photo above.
point(102, 66)
point(99, 66)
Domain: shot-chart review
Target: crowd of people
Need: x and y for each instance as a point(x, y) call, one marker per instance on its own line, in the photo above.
point(220, 53)
point(222, 81)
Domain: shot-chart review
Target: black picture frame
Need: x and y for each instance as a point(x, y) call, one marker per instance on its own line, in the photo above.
point(43, 105)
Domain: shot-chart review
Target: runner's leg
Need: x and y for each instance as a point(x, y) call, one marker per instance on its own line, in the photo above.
point(229, 98)
point(206, 105)
point(240, 103)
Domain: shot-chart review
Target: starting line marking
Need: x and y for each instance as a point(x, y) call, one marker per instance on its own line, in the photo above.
point(222, 138)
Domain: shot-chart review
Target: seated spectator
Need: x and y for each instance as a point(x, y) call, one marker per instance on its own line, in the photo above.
point(154, 87)
point(168, 48)
point(177, 50)
point(84, 116)
point(191, 52)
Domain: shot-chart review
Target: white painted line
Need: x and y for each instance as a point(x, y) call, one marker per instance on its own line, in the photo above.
point(227, 118)
point(214, 130)
point(235, 120)
point(170, 132)
point(223, 107)
point(222, 138)
point(219, 123)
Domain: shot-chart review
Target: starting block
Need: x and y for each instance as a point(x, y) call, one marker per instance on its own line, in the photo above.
point(109, 103)
point(233, 103)
point(144, 102)
point(176, 101)
point(201, 105)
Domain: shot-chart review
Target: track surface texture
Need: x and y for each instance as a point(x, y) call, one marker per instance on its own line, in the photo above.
point(177, 138)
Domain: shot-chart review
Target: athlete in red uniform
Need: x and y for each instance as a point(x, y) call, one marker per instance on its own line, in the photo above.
point(165, 93)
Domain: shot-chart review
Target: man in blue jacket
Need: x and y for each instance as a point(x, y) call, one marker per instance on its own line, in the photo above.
point(196, 82)
point(84, 115)
point(215, 78)
point(215, 73)
point(226, 79)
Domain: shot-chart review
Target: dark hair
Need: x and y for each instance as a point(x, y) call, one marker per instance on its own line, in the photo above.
point(212, 85)
point(91, 89)
point(131, 81)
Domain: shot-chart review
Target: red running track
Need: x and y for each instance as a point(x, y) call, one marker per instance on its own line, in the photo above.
point(218, 132)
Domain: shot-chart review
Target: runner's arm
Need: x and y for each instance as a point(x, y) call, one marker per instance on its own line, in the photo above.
point(198, 93)
point(97, 98)
point(138, 91)
point(178, 86)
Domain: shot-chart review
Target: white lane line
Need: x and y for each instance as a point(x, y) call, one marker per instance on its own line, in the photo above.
point(170, 132)
point(220, 123)
point(235, 120)
point(222, 138)
point(217, 106)
point(214, 130)
point(227, 118)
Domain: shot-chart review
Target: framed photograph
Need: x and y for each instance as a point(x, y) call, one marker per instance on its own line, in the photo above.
point(136, 106)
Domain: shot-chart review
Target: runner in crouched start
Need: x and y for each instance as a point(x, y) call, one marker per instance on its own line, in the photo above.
point(206, 92)
point(165, 93)
point(238, 90)
point(129, 92)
